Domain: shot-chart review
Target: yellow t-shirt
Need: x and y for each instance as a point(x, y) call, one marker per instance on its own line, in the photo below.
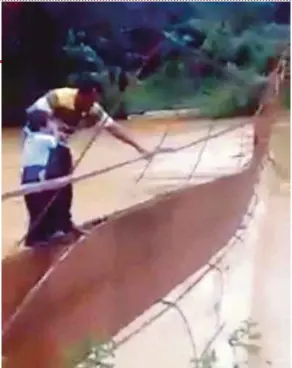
point(63, 104)
point(65, 98)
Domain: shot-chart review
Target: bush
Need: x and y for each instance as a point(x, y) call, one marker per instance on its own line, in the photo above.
point(168, 88)
point(286, 98)
point(228, 98)
point(91, 354)
point(252, 50)
point(218, 43)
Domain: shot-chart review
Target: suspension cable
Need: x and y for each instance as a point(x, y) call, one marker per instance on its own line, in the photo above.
point(85, 150)
point(60, 182)
point(30, 295)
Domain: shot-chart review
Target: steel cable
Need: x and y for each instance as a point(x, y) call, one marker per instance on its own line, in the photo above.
point(32, 292)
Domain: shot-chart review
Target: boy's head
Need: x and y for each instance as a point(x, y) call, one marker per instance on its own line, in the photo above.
point(42, 121)
point(38, 120)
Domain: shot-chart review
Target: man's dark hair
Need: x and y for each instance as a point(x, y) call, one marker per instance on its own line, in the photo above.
point(88, 83)
point(37, 119)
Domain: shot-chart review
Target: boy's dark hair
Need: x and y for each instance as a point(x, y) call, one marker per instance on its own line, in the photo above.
point(87, 83)
point(37, 119)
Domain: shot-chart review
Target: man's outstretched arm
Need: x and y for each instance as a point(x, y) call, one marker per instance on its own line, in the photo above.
point(123, 134)
point(115, 129)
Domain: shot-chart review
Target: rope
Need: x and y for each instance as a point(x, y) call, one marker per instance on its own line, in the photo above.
point(211, 126)
point(35, 289)
point(186, 324)
point(30, 295)
point(218, 304)
point(158, 146)
point(66, 253)
point(54, 183)
point(236, 239)
point(45, 210)
point(15, 192)
point(211, 341)
point(243, 227)
point(84, 151)
point(201, 152)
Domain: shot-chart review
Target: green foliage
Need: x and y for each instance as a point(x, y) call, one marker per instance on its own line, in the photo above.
point(200, 24)
point(91, 354)
point(252, 50)
point(81, 56)
point(168, 88)
point(245, 336)
point(101, 354)
point(286, 99)
point(172, 86)
point(208, 360)
point(112, 98)
point(239, 64)
point(243, 20)
point(217, 43)
point(274, 32)
point(238, 95)
point(221, 101)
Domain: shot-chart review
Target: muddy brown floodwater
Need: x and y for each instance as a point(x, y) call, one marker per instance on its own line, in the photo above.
point(118, 189)
point(271, 300)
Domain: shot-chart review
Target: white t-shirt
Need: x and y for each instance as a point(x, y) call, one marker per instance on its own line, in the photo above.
point(37, 149)
point(96, 109)
point(41, 104)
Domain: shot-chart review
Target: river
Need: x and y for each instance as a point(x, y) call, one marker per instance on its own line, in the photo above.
point(123, 187)
point(271, 299)
point(119, 189)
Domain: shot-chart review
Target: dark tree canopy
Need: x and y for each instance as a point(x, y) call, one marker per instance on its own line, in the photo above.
point(46, 44)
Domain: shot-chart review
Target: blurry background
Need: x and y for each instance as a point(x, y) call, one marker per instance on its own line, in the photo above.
point(186, 54)
point(213, 57)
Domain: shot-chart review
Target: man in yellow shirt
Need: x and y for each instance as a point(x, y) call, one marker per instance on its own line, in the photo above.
point(77, 108)
point(74, 109)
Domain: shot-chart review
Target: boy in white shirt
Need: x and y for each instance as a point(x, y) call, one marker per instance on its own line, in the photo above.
point(45, 158)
